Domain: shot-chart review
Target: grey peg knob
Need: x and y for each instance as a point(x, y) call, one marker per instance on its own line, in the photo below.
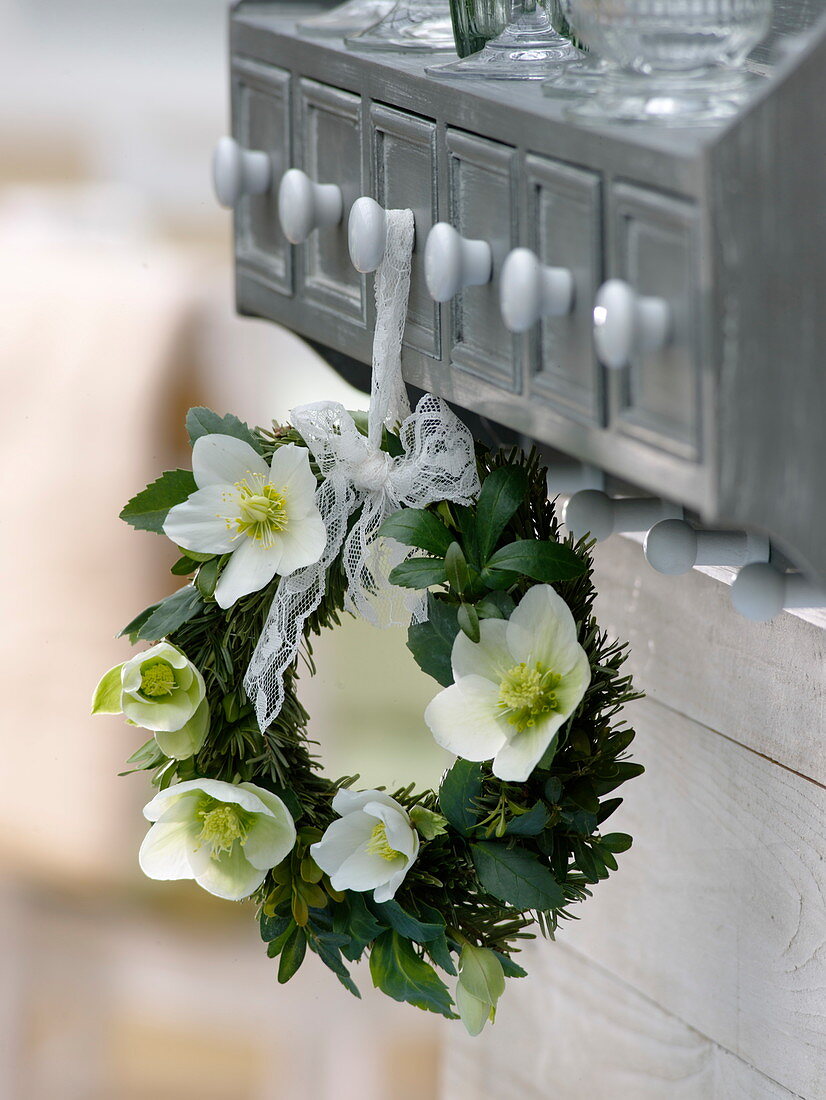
point(593, 512)
point(760, 591)
point(237, 172)
point(451, 262)
point(304, 206)
point(367, 234)
point(530, 290)
point(626, 324)
point(674, 547)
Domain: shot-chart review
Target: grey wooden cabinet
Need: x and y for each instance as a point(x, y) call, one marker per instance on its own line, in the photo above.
point(727, 225)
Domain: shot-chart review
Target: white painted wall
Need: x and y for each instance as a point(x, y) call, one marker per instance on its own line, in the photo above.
point(698, 972)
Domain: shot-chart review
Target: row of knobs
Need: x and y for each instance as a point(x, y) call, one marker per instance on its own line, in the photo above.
point(625, 323)
point(673, 546)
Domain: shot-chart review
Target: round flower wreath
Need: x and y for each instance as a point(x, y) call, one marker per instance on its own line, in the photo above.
point(421, 881)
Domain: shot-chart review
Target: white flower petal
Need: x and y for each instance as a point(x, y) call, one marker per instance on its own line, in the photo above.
point(542, 629)
point(163, 853)
point(341, 839)
point(250, 569)
point(401, 836)
point(205, 522)
point(489, 657)
point(185, 742)
point(270, 839)
point(463, 720)
point(574, 684)
point(243, 795)
point(516, 760)
point(290, 473)
point(346, 801)
point(302, 542)
point(388, 889)
point(166, 712)
point(224, 460)
point(365, 870)
point(231, 875)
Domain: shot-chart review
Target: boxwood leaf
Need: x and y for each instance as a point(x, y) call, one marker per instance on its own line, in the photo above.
point(420, 528)
point(391, 914)
point(515, 877)
point(431, 643)
point(619, 773)
point(529, 824)
point(546, 562)
point(398, 971)
point(458, 793)
point(503, 491)
point(292, 954)
point(148, 510)
point(616, 842)
point(418, 573)
point(202, 421)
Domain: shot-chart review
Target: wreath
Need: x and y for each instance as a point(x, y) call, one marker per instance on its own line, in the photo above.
point(428, 884)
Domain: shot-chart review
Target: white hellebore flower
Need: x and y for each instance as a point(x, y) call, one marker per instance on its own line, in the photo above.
point(224, 835)
point(265, 516)
point(160, 690)
point(371, 847)
point(514, 688)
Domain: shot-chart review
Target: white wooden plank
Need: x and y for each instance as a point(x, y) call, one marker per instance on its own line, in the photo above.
point(762, 684)
point(717, 913)
point(572, 1032)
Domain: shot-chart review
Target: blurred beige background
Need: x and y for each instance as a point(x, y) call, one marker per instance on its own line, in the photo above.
point(115, 315)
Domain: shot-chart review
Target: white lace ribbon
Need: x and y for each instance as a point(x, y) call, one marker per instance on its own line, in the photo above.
point(437, 463)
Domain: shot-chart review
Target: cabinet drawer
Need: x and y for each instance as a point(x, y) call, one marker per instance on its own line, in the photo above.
point(482, 207)
point(565, 228)
point(654, 248)
point(261, 110)
point(403, 155)
point(330, 132)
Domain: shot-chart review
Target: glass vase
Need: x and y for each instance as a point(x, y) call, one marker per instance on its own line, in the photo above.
point(347, 18)
point(423, 25)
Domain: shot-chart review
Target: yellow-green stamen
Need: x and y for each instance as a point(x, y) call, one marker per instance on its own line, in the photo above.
point(262, 511)
point(527, 693)
point(222, 826)
point(158, 679)
point(378, 844)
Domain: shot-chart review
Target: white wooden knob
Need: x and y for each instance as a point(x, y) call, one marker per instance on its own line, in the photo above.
point(593, 512)
point(529, 290)
point(367, 234)
point(760, 591)
point(626, 324)
point(304, 205)
point(237, 172)
point(674, 546)
point(451, 263)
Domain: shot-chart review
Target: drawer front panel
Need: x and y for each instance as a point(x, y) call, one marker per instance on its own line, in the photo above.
point(482, 207)
point(565, 225)
point(330, 129)
point(403, 153)
point(654, 247)
point(261, 109)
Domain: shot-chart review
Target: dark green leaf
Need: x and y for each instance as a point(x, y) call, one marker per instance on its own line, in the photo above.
point(132, 630)
point(431, 643)
point(207, 577)
point(273, 927)
point(468, 621)
point(515, 877)
point(183, 567)
point(398, 971)
point(458, 793)
point(331, 957)
point(391, 914)
point(456, 569)
point(202, 421)
point(496, 605)
point(417, 527)
point(418, 573)
point(148, 510)
point(581, 792)
point(276, 946)
point(292, 955)
point(616, 842)
point(529, 824)
point(580, 821)
point(353, 917)
point(618, 774)
point(170, 613)
point(553, 789)
point(547, 562)
point(503, 491)
point(512, 969)
point(440, 953)
point(499, 579)
point(608, 807)
point(619, 741)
